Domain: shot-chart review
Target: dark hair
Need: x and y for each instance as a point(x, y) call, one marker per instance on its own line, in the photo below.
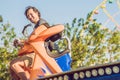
point(34, 9)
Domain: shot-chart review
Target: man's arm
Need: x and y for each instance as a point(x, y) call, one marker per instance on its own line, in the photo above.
point(51, 31)
point(42, 32)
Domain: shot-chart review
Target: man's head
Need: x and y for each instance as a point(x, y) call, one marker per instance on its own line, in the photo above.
point(32, 14)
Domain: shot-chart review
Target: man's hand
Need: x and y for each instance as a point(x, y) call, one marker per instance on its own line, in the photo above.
point(18, 43)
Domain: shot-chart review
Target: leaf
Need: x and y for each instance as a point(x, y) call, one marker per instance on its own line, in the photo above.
point(1, 19)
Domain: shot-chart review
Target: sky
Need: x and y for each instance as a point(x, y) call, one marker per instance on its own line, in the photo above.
point(53, 11)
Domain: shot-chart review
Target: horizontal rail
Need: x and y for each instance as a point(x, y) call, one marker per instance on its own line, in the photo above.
point(107, 71)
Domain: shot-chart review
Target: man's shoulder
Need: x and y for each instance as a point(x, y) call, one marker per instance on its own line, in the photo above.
point(42, 21)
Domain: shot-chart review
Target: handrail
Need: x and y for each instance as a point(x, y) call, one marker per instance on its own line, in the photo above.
point(58, 53)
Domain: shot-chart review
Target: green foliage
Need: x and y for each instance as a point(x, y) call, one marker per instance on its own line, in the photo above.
point(91, 43)
point(1, 18)
point(7, 51)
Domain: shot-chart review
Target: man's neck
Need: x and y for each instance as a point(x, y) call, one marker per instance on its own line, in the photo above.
point(37, 23)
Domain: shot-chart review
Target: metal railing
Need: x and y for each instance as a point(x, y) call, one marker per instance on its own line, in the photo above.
point(109, 71)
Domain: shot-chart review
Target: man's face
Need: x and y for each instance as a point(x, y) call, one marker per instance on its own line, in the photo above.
point(32, 16)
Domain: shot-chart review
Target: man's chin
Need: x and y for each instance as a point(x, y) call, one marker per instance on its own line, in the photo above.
point(32, 21)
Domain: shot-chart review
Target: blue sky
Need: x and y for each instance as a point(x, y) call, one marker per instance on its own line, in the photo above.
point(54, 11)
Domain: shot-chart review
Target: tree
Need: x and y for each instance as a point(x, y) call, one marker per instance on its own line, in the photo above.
point(7, 51)
point(91, 43)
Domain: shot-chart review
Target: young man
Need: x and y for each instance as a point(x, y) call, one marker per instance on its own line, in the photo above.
point(35, 58)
